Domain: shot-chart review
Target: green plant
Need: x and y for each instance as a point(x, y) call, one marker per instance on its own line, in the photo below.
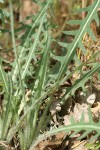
point(93, 146)
point(34, 71)
point(77, 127)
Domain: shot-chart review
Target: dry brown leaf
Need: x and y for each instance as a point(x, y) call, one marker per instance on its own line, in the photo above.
point(77, 114)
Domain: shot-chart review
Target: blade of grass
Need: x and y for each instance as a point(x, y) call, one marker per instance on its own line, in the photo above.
point(3, 78)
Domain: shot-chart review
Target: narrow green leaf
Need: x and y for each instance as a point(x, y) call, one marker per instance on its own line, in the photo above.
point(75, 22)
point(33, 48)
point(72, 32)
point(80, 83)
point(91, 34)
point(81, 46)
point(84, 24)
point(66, 45)
point(41, 14)
point(76, 127)
point(3, 78)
